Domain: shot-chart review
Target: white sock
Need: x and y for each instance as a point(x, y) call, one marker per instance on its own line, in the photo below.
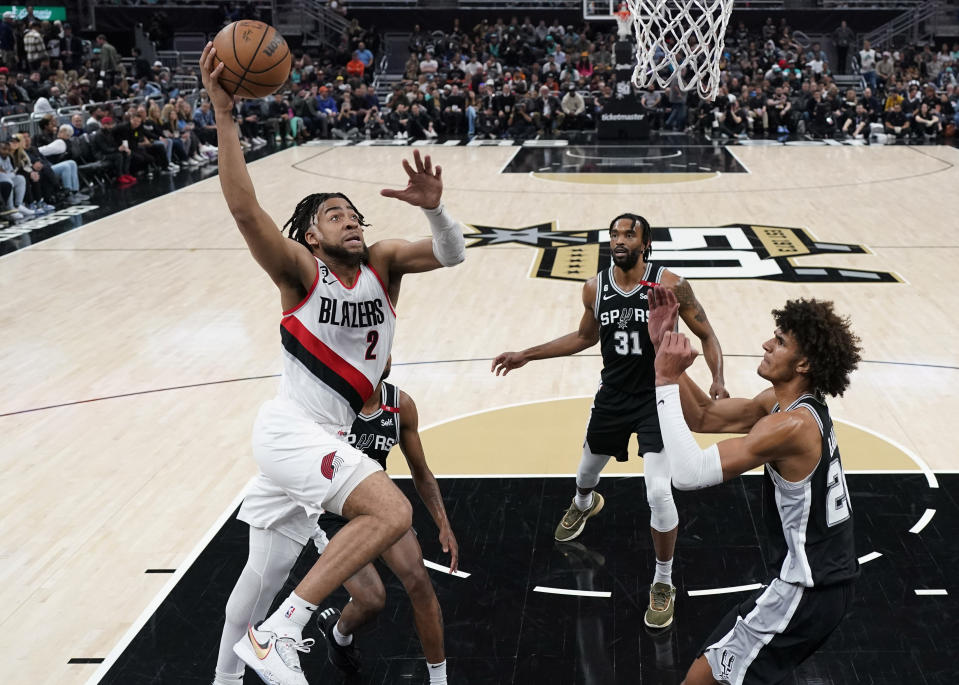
point(291, 617)
point(341, 639)
point(222, 679)
point(664, 572)
point(228, 679)
point(583, 502)
point(437, 672)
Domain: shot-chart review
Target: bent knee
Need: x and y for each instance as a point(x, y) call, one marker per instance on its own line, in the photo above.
point(417, 582)
point(658, 490)
point(400, 514)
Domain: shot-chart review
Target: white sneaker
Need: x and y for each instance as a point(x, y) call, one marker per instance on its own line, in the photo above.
point(173, 166)
point(273, 657)
point(15, 216)
point(26, 211)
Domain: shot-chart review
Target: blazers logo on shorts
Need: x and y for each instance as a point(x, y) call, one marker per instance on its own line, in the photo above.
point(331, 462)
point(734, 251)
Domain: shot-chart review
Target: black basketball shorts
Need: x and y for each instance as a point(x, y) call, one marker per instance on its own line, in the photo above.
point(616, 415)
point(762, 640)
point(331, 523)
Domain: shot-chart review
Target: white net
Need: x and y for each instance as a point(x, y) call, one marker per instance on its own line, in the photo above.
point(680, 40)
point(624, 18)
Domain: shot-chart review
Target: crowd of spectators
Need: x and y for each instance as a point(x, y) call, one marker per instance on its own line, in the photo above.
point(99, 118)
point(518, 79)
point(773, 86)
point(79, 116)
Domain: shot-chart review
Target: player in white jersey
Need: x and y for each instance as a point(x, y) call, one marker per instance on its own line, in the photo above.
point(806, 503)
point(337, 330)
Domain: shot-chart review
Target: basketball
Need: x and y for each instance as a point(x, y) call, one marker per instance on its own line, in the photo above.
point(256, 57)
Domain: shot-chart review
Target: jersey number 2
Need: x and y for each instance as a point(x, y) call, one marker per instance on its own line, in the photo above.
point(837, 501)
point(623, 340)
point(372, 338)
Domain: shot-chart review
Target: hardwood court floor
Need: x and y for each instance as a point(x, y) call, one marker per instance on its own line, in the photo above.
point(136, 350)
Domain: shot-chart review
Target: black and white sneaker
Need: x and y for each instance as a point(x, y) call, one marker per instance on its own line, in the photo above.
point(346, 658)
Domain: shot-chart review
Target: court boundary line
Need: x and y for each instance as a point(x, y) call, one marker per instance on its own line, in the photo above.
point(413, 363)
point(601, 594)
point(724, 590)
point(923, 521)
point(164, 592)
point(729, 149)
point(923, 466)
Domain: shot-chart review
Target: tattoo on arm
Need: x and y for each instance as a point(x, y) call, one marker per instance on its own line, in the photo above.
point(687, 301)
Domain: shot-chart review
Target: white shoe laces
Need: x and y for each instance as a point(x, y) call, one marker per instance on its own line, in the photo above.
point(287, 649)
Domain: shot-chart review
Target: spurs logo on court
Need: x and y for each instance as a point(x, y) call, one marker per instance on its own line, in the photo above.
point(734, 251)
point(331, 462)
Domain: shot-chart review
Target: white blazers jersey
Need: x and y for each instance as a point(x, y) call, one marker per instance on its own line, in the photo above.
point(335, 345)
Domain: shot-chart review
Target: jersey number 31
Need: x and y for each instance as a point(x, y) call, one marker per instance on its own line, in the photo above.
point(628, 343)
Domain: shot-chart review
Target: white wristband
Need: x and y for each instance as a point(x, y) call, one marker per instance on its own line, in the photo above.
point(449, 245)
point(692, 468)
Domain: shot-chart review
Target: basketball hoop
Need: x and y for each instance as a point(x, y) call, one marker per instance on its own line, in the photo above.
point(680, 40)
point(623, 19)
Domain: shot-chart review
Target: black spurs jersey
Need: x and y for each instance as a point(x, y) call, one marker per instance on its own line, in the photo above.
point(623, 337)
point(375, 434)
point(810, 522)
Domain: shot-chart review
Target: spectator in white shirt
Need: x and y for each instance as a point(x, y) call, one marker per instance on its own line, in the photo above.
point(429, 65)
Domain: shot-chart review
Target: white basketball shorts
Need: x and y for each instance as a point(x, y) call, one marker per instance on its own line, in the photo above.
point(305, 469)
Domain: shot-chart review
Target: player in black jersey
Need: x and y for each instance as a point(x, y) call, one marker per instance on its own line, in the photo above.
point(806, 502)
point(616, 311)
point(388, 418)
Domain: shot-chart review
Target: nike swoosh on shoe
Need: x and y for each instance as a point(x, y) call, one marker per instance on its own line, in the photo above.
point(261, 651)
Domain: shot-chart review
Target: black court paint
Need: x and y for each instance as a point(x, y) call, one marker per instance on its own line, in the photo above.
point(498, 631)
point(664, 158)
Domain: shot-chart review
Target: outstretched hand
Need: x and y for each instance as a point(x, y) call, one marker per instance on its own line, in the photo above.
point(673, 357)
point(663, 313)
point(210, 76)
point(425, 186)
point(506, 362)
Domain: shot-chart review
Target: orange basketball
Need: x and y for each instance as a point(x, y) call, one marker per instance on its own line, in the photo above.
point(256, 56)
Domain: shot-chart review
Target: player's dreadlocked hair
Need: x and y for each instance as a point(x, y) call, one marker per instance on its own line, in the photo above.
point(825, 339)
point(647, 234)
point(305, 214)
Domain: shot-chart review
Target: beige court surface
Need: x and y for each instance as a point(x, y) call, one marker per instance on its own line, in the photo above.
point(160, 315)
